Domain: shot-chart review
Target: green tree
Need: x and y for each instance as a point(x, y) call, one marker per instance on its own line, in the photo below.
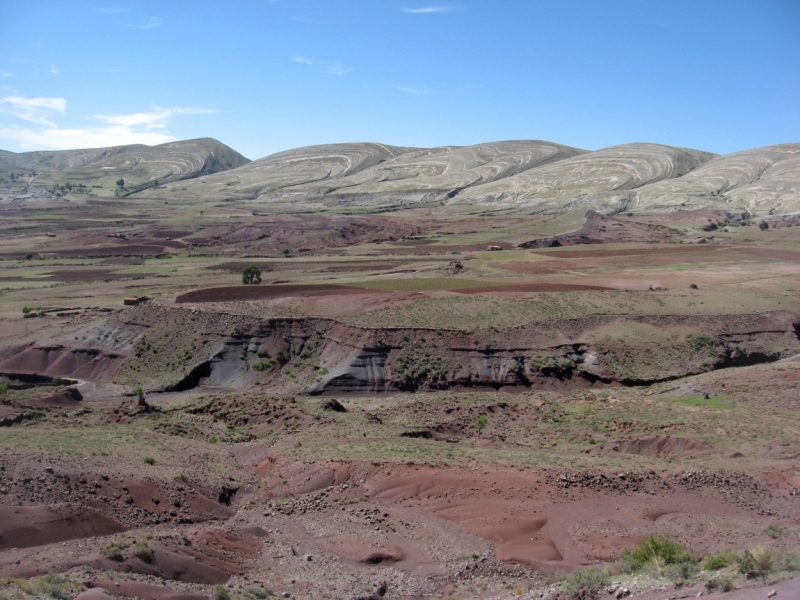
point(120, 183)
point(763, 226)
point(251, 275)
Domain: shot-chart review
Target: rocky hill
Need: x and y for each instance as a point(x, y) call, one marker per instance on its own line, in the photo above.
point(534, 176)
point(98, 169)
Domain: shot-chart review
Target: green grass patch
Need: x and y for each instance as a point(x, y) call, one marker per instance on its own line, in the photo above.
point(717, 402)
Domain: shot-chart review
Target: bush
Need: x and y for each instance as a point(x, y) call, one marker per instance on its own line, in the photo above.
point(660, 547)
point(586, 583)
point(774, 531)
point(763, 226)
point(723, 583)
point(718, 560)
point(149, 460)
point(113, 550)
point(481, 421)
point(51, 585)
point(261, 365)
point(144, 552)
point(699, 342)
point(262, 353)
point(220, 593)
point(679, 572)
point(253, 592)
point(757, 562)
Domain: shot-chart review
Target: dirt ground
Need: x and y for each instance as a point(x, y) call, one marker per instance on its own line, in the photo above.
point(395, 412)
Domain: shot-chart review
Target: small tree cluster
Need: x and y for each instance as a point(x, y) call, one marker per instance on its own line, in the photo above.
point(251, 275)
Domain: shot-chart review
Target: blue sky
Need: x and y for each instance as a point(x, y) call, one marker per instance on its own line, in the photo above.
point(265, 76)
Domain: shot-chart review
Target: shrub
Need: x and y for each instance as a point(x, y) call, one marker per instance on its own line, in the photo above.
point(718, 560)
point(679, 572)
point(144, 552)
point(480, 422)
point(139, 393)
point(220, 593)
point(763, 226)
point(723, 583)
point(281, 357)
point(149, 460)
point(51, 585)
point(653, 547)
point(757, 562)
point(699, 341)
point(774, 531)
point(113, 550)
point(586, 583)
point(262, 353)
point(253, 593)
point(261, 366)
point(324, 371)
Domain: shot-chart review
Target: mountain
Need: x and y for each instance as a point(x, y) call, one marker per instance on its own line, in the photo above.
point(531, 175)
point(138, 165)
point(761, 181)
point(601, 180)
point(375, 173)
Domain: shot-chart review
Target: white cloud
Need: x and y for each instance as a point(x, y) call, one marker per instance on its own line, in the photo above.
point(6, 74)
point(428, 10)
point(415, 91)
point(153, 22)
point(52, 68)
point(36, 110)
point(68, 139)
point(339, 69)
point(115, 130)
point(330, 68)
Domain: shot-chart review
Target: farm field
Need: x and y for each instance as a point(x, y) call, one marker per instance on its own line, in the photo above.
point(418, 399)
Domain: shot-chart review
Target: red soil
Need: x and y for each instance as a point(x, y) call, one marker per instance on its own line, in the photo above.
point(265, 292)
point(129, 250)
point(26, 526)
point(144, 591)
point(665, 445)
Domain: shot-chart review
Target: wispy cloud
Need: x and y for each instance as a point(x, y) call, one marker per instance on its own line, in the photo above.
point(330, 68)
point(35, 110)
point(339, 69)
point(111, 10)
point(415, 91)
point(52, 68)
point(6, 74)
point(302, 60)
point(324, 21)
point(428, 10)
point(153, 22)
point(115, 129)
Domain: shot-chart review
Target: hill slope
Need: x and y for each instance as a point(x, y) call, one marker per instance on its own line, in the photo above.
point(138, 165)
point(601, 180)
point(761, 181)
